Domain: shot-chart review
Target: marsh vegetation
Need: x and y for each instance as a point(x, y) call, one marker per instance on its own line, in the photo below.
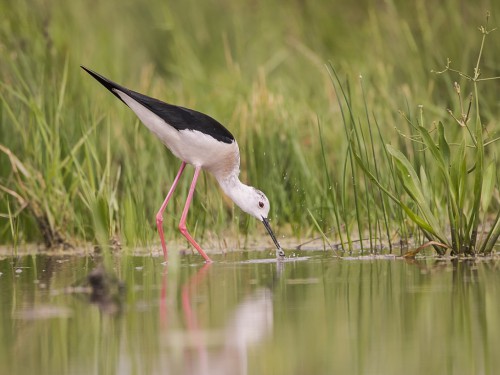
point(339, 110)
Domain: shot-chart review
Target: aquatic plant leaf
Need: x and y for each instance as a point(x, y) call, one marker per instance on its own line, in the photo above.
point(441, 156)
point(412, 186)
point(488, 187)
point(418, 220)
point(492, 236)
point(458, 174)
point(373, 178)
point(412, 253)
point(426, 186)
point(444, 147)
point(407, 174)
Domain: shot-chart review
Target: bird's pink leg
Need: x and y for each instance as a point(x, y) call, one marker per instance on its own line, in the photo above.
point(159, 215)
point(182, 223)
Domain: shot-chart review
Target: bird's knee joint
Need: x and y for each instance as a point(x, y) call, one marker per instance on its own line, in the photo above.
point(182, 228)
point(159, 219)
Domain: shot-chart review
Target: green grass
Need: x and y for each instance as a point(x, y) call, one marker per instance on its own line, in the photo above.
point(449, 178)
point(77, 166)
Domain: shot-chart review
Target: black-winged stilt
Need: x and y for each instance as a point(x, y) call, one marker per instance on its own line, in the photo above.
point(196, 139)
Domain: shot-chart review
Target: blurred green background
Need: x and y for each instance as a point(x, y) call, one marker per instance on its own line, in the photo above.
point(76, 165)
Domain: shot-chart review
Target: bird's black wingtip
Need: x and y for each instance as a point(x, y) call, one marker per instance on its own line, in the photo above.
point(110, 85)
point(91, 72)
point(102, 80)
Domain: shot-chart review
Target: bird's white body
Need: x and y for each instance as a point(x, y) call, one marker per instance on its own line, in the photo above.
point(201, 150)
point(192, 146)
point(201, 141)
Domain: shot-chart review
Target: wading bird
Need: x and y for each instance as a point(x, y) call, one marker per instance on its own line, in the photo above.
point(199, 140)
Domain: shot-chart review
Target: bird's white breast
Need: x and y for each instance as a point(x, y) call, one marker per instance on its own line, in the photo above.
point(191, 146)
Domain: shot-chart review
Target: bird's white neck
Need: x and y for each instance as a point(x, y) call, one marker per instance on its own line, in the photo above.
point(241, 194)
point(249, 199)
point(234, 189)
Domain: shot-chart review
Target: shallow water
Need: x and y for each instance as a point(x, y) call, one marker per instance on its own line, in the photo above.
point(248, 314)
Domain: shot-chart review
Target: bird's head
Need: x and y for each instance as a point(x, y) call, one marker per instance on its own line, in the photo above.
point(255, 203)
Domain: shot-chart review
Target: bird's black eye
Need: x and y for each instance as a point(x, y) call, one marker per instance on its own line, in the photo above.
point(261, 204)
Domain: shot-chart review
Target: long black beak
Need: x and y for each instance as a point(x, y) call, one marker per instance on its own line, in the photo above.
point(279, 251)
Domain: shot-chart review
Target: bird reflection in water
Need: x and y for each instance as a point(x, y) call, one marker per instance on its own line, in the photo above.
point(219, 351)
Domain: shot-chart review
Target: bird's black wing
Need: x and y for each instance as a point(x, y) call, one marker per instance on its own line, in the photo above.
point(178, 117)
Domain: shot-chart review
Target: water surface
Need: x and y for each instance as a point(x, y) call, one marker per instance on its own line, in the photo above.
point(248, 314)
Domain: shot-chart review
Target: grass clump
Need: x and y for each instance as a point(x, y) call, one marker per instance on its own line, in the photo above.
point(76, 165)
point(449, 176)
